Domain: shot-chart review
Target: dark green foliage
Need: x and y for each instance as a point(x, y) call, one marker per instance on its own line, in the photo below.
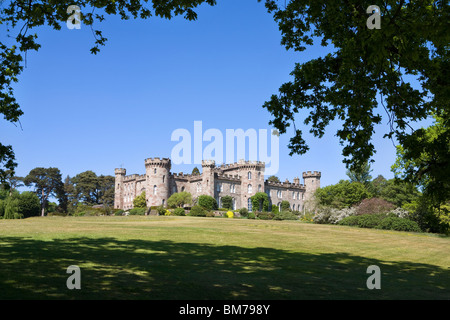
point(161, 210)
point(285, 205)
point(370, 220)
point(275, 208)
point(343, 194)
point(260, 201)
point(285, 215)
point(251, 215)
point(398, 224)
point(350, 221)
point(138, 212)
point(179, 212)
point(118, 212)
point(243, 212)
point(198, 211)
point(265, 215)
point(227, 202)
point(207, 202)
point(29, 205)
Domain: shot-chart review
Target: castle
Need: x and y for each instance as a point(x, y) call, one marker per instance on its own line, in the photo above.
point(239, 180)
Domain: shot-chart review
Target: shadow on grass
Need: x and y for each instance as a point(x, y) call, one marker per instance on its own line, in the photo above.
point(141, 269)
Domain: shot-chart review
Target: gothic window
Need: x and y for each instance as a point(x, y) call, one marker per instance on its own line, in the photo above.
point(155, 189)
point(293, 195)
point(279, 194)
point(199, 187)
point(234, 204)
point(182, 189)
point(249, 188)
point(249, 175)
point(249, 205)
point(164, 178)
point(174, 189)
point(154, 171)
point(259, 188)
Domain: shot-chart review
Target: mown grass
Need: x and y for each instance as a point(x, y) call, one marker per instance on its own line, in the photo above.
point(215, 258)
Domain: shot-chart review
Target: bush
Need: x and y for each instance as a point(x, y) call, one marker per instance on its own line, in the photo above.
point(230, 214)
point(251, 215)
point(398, 224)
point(29, 204)
point(210, 214)
point(285, 215)
point(161, 210)
point(275, 208)
point(370, 220)
point(244, 212)
point(349, 221)
point(265, 215)
point(207, 202)
point(198, 211)
point(285, 205)
point(374, 206)
point(332, 215)
point(119, 212)
point(137, 211)
point(227, 202)
point(179, 212)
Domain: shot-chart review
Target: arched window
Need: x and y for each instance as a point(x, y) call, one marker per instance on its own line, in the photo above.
point(155, 190)
point(182, 189)
point(249, 188)
point(249, 205)
point(164, 178)
point(249, 175)
point(174, 189)
point(293, 195)
point(234, 204)
point(154, 171)
point(199, 187)
point(259, 188)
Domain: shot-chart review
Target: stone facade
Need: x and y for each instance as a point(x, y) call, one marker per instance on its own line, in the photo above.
point(239, 180)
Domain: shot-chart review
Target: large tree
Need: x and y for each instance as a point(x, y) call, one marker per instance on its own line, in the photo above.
point(92, 189)
point(47, 183)
point(398, 73)
point(22, 17)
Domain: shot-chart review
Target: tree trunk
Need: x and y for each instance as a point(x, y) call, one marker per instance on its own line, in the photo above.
point(43, 203)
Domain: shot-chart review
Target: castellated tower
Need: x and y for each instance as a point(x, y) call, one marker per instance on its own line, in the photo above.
point(118, 190)
point(252, 179)
point(208, 177)
point(312, 183)
point(157, 176)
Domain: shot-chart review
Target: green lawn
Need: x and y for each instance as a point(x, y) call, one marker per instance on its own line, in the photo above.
point(216, 258)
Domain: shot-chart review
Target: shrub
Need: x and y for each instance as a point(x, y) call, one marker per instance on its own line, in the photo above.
point(398, 224)
point(230, 214)
point(227, 202)
point(349, 221)
point(161, 210)
point(285, 205)
point(285, 215)
point(265, 215)
point(275, 208)
point(118, 212)
point(370, 220)
point(29, 204)
point(243, 212)
point(332, 215)
point(210, 214)
point(260, 201)
point(137, 211)
point(251, 215)
point(374, 206)
point(198, 211)
point(179, 212)
point(207, 202)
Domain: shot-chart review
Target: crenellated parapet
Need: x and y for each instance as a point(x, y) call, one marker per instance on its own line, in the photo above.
point(312, 174)
point(229, 177)
point(285, 185)
point(157, 162)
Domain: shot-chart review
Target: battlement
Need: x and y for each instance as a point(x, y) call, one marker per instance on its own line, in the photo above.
point(314, 174)
point(208, 163)
point(131, 177)
point(181, 175)
point(157, 162)
point(285, 184)
point(229, 177)
point(120, 171)
point(244, 164)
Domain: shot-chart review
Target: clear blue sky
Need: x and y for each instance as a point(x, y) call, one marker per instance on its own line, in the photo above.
point(99, 112)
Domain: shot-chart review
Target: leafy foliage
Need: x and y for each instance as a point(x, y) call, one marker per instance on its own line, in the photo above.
point(343, 194)
point(260, 201)
point(140, 201)
point(179, 199)
point(374, 206)
point(198, 211)
point(207, 202)
point(227, 202)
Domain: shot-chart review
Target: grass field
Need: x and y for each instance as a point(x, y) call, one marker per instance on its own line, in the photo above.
point(216, 258)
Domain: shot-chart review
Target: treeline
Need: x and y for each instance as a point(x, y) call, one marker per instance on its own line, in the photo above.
point(366, 202)
point(72, 195)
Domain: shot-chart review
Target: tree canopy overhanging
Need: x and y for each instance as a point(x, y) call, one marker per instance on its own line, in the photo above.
point(367, 68)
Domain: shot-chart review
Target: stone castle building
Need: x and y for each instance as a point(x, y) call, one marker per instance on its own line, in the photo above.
point(239, 180)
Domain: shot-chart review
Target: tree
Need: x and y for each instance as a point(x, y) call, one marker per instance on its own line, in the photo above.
point(404, 66)
point(195, 172)
point(361, 175)
point(285, 205)
point(260, 201)
point(92, 189)
point(343, 194)
point(179, 199)
point(140, 201)
point(428, 166)
point(46, 182)
point(273, 179)
point(207, 202)
point(28, 204)
point(23, 17)
point(227, 202)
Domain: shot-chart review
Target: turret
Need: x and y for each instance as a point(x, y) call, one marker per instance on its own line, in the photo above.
point(118, 190)
point(312, 183)
point(158, 175)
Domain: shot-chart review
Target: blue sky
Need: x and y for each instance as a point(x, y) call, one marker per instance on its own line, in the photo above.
point(119, 107)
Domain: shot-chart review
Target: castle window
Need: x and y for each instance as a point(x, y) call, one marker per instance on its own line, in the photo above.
point(293, 195)
point(199, 187)
point(164, 178)
point(249, 175)
point(233, 188)
point(259, 188)
point(249, 205)
point(218, 187)
point(154, 171)
point(182, 189)
point(155, 189)
point(279, 194)
point(174, 189)
point(249, 188)
point(259, 175)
